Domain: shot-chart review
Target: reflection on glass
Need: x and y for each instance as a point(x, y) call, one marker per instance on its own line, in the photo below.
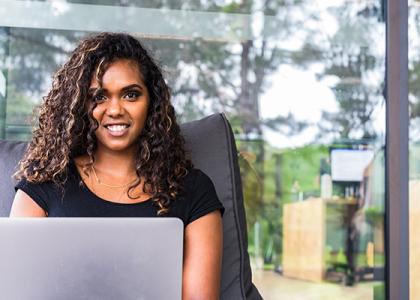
point(302, 85)
point(414, 147)
point(314, 162)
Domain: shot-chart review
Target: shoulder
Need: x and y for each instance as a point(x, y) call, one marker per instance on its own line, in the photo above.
point(47, 192)
point(196, 178)
point(23, 184)
point(200, 197)
point(41, 192)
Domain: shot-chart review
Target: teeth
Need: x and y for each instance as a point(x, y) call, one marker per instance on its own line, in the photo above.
point(117, 127)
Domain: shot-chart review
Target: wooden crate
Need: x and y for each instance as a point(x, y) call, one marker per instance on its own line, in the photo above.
point(304, 239)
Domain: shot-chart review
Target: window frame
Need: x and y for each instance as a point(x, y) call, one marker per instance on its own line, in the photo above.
point(397, 166)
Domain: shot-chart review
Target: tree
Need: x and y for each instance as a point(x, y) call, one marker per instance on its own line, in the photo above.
point(414, 72)
point(357, 68)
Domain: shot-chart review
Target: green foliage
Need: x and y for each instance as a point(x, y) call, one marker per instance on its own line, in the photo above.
point(379, 292)
point(18, 115)
point(264, 198)
point(374, 215)
point(302, 165)
point(252, 186)
point(335, 227)
point(233, 7)
point(414, 160)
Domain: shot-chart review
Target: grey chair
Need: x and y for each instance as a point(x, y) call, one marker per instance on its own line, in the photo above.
point(212, 147)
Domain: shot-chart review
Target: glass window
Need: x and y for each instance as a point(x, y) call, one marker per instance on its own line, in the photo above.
point(414, 146)
point(302, 85)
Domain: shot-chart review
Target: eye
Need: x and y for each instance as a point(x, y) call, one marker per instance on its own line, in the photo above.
point(98, 98)
point(132, 95)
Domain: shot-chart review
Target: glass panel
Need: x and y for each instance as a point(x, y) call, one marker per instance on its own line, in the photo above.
point(302, 85)
point(414, 146)
point(324, 158)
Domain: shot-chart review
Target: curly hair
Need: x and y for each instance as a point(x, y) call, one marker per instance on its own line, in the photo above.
point(67, 128)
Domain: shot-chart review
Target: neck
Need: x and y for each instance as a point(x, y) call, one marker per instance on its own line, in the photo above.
point(117, 163)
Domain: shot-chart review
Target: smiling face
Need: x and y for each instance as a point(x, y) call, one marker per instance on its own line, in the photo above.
point(122, 104)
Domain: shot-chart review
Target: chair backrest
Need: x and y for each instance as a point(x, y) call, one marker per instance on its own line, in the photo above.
point(10, 154)
point(211, 145)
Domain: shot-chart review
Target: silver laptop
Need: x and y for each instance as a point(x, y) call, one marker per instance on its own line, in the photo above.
point(90, 258)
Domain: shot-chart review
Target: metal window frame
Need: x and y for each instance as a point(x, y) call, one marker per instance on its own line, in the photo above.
point(397, 128)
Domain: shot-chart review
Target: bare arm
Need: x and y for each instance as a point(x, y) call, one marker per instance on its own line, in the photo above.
point(24, 206)
point(203, 258)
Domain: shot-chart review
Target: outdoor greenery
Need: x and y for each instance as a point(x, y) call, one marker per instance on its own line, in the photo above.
point(379, 292)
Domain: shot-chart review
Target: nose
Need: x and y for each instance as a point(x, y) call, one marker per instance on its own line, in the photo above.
point(114, 108)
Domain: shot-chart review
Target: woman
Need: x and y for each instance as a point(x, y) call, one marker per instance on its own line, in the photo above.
point(108, 145)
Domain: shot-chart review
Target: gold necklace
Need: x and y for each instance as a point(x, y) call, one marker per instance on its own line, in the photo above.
point(109, 185)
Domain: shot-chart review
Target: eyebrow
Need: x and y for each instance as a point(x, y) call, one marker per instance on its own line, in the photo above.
point(128, 87)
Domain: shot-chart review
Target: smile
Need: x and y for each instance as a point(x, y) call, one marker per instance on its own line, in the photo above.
point(117, 130)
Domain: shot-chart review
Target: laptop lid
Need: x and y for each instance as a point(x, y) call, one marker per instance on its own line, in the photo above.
point(91, 258)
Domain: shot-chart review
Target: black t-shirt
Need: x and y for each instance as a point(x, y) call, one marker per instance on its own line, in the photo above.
point(197, 199)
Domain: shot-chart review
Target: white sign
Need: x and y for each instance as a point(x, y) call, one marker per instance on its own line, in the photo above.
point(349, 164)
point(2, 84)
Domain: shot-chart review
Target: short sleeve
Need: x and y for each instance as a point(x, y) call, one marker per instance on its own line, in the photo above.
point(203, 198)
point(39, 192)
